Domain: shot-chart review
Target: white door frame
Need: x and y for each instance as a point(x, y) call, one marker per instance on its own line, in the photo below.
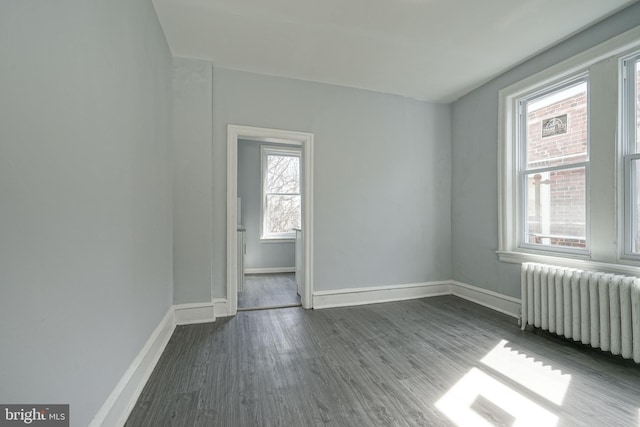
point(272, 136)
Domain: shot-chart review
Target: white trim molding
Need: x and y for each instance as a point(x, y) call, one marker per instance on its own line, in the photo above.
point(269, 270)
point(493, 300)
point(379, 294)
point(220, 307)
point(120, 403)
point(273, 136)
point(622, 267)
point(118, 406)
point(187, 314)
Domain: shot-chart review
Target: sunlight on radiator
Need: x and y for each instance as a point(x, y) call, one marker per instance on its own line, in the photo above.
point(477, 385)
point(456, 403)
point(537, 377)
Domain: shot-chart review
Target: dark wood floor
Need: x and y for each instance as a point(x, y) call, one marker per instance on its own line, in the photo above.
point(268, 290)
point(391, 364)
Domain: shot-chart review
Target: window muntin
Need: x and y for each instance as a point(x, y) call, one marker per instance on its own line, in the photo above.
point(613, 160)
point(631, 153)
point(281, 201)
point(554, 147)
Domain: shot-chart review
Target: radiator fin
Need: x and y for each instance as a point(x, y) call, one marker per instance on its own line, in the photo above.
point(597, 309)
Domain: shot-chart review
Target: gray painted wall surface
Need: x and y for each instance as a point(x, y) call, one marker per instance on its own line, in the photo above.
point(191, 180)
point(85, 197)
point(259, 254)
point(382, 176)
point(475, 167)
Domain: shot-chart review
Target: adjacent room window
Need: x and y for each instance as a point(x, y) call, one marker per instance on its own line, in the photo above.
point(554, 165)
point(281, 198)
point(631, 152)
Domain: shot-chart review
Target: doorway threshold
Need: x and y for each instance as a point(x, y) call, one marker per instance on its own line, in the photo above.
point(270, 307)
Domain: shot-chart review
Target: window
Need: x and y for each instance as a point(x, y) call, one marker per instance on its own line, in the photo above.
point(281, 198)
point(554, 162)
point(631, 152)
point(569, 161)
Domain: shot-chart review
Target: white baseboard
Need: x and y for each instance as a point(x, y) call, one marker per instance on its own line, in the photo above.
point(493, 300)
point(187, 314)
point(220, 307)
point(378, 294)
point(267, 270)
point(120, 403)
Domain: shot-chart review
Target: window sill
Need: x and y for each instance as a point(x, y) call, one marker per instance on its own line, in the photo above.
point(575, 261)
point(277, 240)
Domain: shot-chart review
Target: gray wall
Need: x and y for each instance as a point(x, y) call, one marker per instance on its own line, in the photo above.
point(192, 180)
point(259, 254)
point(382, 178)
point(85, 196)
point(475, 144)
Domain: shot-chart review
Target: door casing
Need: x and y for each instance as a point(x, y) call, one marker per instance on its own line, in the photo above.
point(275, 137)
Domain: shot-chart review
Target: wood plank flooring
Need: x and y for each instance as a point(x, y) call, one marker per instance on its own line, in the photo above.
point(268, 290)
point(377, 365)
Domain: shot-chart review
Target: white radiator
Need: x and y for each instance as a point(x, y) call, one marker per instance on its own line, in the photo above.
point(599, 309)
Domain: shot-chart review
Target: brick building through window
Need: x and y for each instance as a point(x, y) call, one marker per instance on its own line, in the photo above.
point(557, 137)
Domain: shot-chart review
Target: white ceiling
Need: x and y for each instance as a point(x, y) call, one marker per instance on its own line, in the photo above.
point(434, 50)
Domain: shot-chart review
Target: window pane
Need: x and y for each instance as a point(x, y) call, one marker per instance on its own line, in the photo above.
point(557, 127)
point(283, 174)
point(556, 213)
point(635, 205)
point(282, 214)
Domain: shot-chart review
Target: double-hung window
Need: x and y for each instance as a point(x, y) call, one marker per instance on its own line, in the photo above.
point(569, 178)
point(631, 153)
point(281, 197)
point(553, 167)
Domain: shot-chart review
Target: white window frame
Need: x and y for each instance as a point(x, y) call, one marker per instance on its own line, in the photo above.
point(628, 147)
point(606, 219)
point(266, 150)
point(523, 171)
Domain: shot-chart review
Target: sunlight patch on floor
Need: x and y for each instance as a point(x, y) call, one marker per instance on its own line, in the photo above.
point(462, 404)
point(456, 403)
point(526, 371)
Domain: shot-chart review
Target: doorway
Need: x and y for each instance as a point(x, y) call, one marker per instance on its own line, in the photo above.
point(263, 291)
point(298, 278)
point(269, 211)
